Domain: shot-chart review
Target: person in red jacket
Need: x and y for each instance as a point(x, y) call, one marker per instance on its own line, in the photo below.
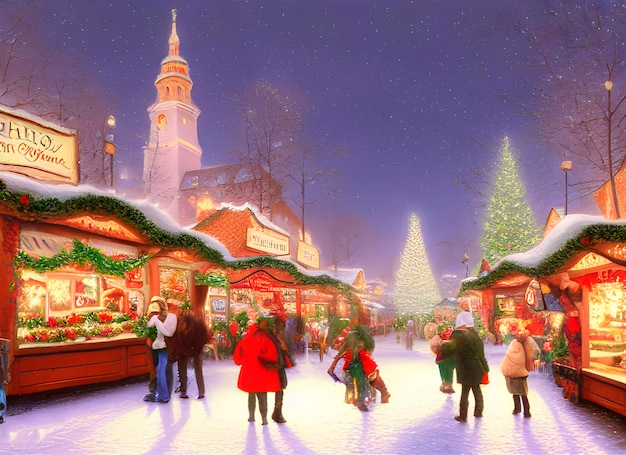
point(258, 357)
point(362, 370)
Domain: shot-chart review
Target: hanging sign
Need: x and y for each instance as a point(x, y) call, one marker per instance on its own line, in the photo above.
point(308, 255)
point(29, 146)
point(267, 241)
point(533, 296)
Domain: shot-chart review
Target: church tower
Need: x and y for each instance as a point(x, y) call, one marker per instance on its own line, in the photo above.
point(173, 147)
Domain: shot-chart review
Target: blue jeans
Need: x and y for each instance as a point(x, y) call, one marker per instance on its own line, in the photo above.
point(3, 401)
point(162, 391)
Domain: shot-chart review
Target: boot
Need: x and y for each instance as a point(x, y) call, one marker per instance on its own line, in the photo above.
point(526, 406)
point(379, 385)
point(277, 415)
point(462, 417)
point(262, 397)
point(152, 385)
point(517, 404)
point(251, 406)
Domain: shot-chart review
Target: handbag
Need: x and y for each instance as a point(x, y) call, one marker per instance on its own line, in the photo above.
point(485, 379)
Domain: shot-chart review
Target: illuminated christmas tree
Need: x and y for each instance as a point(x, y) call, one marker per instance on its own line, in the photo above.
point(415, 290)
point(510, 226)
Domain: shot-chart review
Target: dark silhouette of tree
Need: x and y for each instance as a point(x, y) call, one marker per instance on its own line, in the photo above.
point(272, 121)
point(48, 83)
point(280, 160)
point(309, 182)
point(345, 237)
point(578, 47)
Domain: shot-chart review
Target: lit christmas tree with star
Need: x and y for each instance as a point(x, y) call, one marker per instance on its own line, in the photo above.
point(415, 289)
point(510, 225)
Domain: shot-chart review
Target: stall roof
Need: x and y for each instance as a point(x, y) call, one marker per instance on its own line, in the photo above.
point(353, 277)
point(64, 192)
point(371, 304)
point(53, 201)
point(570, 238)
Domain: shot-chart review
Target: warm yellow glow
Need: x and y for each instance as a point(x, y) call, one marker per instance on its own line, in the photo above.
point(110, 227)
point(204, 206)
point(590, 260)
point(608, 85)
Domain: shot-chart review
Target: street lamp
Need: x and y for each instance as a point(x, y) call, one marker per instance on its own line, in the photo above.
point(109, 141)
point(566, 166)
point(465, 262)
point(609, 85)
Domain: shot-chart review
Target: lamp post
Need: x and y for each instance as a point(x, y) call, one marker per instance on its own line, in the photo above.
point(465, 262)
point(609, 115)
point(109, 141)
point(566, 166)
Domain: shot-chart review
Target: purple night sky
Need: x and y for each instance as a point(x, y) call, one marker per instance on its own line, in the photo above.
point(417, 91)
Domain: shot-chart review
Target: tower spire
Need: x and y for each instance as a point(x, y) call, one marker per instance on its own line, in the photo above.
point(174, 41)
point(173, 148)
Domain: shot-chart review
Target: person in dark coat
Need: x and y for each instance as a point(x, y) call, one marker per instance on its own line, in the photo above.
point(284, 361)
point(193, 334)
point(258, 357)
point(469, 353)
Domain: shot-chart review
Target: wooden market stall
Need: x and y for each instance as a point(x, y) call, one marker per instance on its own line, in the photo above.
point(78, 271)
point(270, 276)
point(581, 266)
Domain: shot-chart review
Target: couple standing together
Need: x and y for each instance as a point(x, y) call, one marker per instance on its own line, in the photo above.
point(263, 357)
point(471, 365)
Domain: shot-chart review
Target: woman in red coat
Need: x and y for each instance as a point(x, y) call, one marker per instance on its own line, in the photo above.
point(258, 358)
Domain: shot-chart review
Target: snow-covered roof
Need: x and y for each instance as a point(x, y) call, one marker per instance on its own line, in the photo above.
point(371, 304)
point(348, 276)
point(568, 228)
point(37, 189)
point(255, 210)
point(542, 259)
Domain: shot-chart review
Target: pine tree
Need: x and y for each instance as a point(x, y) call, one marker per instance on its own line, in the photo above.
point(415, 290)
point(510, 225)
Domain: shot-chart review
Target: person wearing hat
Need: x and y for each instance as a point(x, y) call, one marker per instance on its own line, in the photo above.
point(463, 320)
point(165, 324)
point(469, 355)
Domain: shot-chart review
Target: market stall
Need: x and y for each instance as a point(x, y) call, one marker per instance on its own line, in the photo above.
point(78, 269)
point(580, 266)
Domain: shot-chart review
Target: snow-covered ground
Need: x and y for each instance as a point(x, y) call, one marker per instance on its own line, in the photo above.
point(418, 419)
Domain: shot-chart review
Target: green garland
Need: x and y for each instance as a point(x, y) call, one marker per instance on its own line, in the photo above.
point(107, 206)
point(590, 235)
point(277, 264)
point(211, 279)
point(80, 255)
point(23, 203)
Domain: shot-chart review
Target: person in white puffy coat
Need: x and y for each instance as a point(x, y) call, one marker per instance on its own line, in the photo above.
point(517, 362)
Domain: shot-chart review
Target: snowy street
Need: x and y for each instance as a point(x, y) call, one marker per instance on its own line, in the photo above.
point(418, 419)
